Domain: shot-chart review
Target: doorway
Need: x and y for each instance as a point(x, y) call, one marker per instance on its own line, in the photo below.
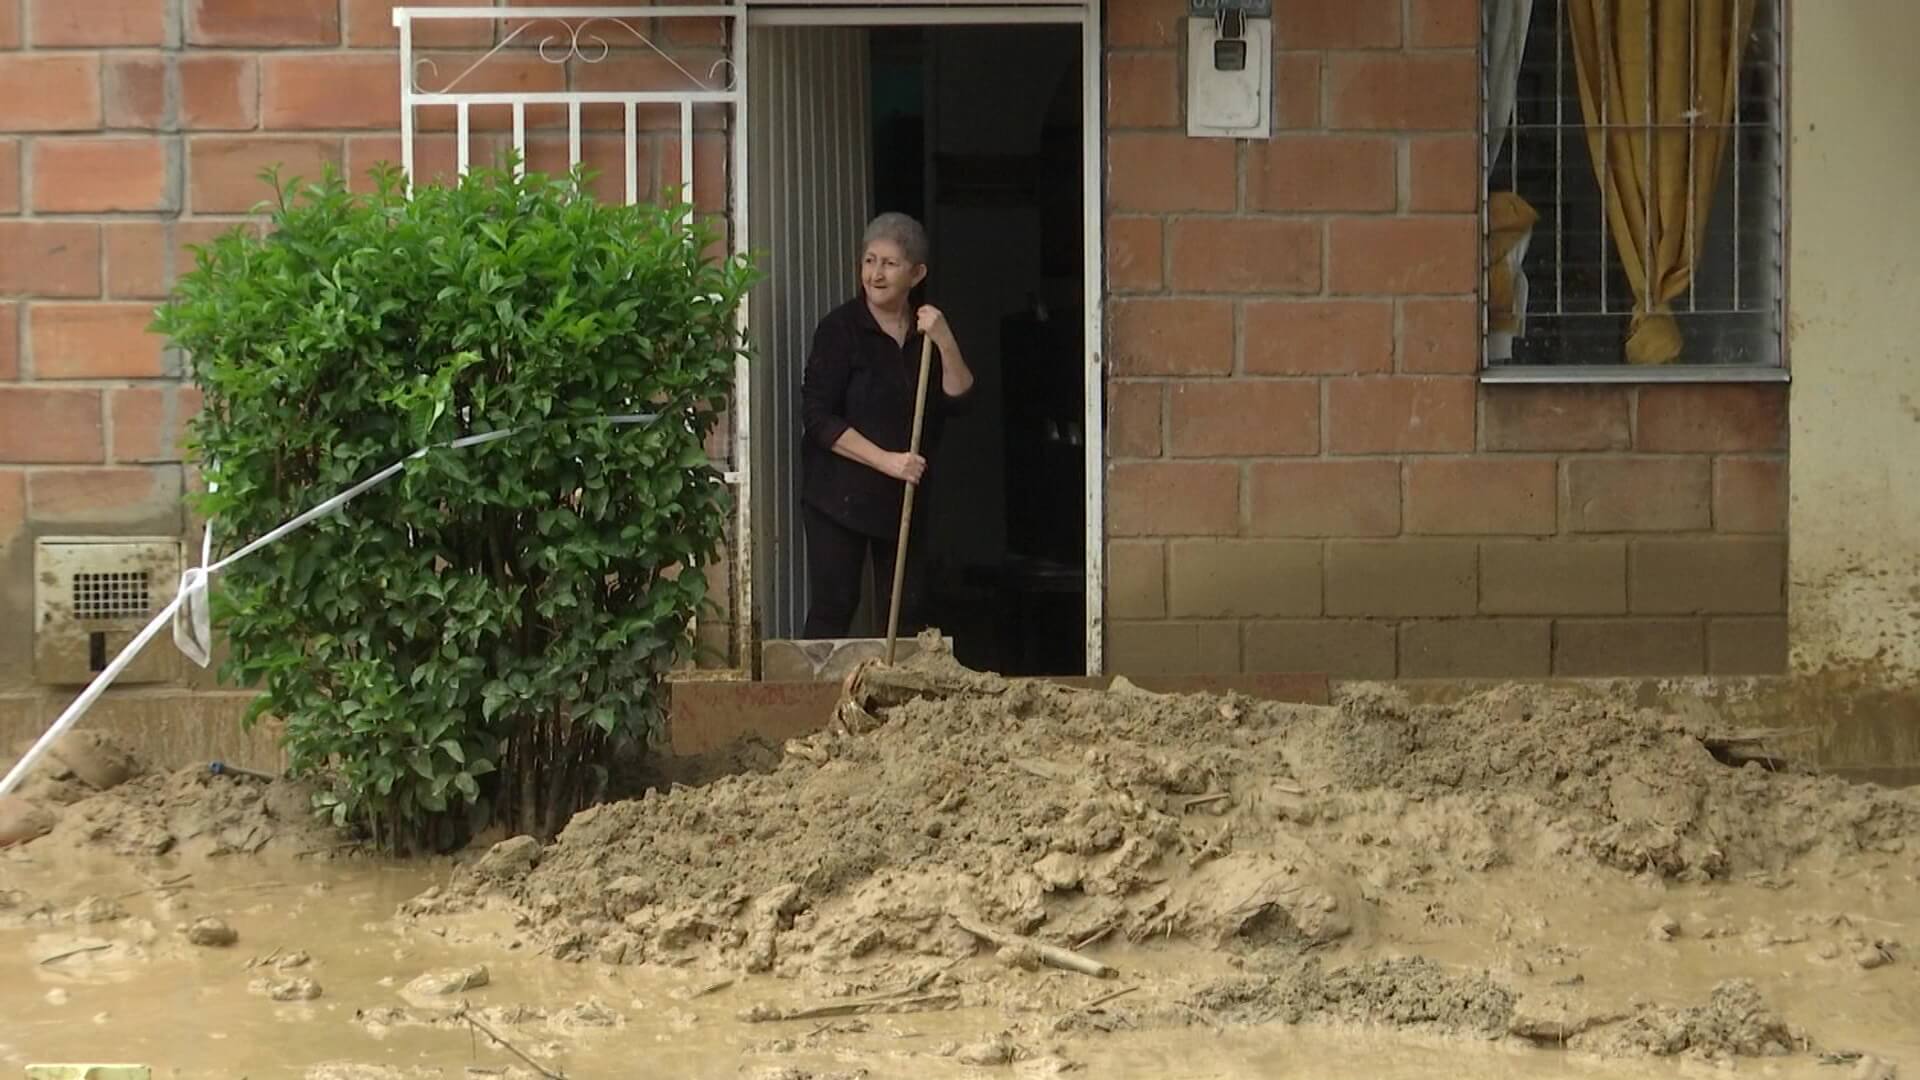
point(979, 131)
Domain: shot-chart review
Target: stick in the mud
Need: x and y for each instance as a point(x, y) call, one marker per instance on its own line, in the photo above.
point(906, 503)
point(1052, 955)
point(927, 1002)
point(1104, 998)
point(74, 952)
point(463, 1014)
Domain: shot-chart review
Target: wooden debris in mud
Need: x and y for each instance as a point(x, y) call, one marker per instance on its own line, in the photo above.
point(1051, 955)
point(466, 1013)
point(761, 1014)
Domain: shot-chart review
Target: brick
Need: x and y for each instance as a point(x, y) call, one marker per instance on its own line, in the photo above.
point(42, 425)
point(1444, 174)
point(276, 23)
point(1479, 496)
point(1598, 647)
point(1440, 337)
point(1136, 580)
point(1370, 256)
point(1243, 418)
point(1229, 578)
point(1750, 495)
point(1144, 23)
point(119, 497)
point(9, 176)
point(1296, 91)
point(1324, 498)
point(1710, 576)
point(219, 93)
point(1246, 255)
point(1520, 577)
point(1135, 249)
point(328, 91)
point(224, 171)
point(1639, 495)
point(10, 24)
point(1476, 648)
point(1163, 173)
point(149, 423)
point(95, 341)
point(504, 73)
point(1173, 648)
point(1173, 499)
point(1324, 172)
point(436, 158)
point(1534, 418)
point(370, 26)
point(1143, 90)
point(1348, 24)
point(51, 93)
point(9, 342)
point(200, 233)
point(1133, 419)
point(1712, 417)
point(1747, 646)
point(136, 92)
point(1444, 24)
point(1399, 415)
point(1407, 578)
point(92, 176)
point(1340, 648)
point(1402, 92)
point(709, 170)
point(1171, 337)
point(1319, 337)
point(71, 23)
point(137, 259)
point(47, 258)
point(13, 507)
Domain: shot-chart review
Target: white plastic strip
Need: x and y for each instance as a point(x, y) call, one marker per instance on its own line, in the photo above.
point(189, 613)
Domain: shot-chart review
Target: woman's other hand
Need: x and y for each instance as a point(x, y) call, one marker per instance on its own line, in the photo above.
point(908, 467)
point(933, 323)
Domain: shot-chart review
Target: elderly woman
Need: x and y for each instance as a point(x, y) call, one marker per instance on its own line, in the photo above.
point(857, 410)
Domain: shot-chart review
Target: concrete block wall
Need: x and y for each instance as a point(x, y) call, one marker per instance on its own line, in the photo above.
point(1307, 474)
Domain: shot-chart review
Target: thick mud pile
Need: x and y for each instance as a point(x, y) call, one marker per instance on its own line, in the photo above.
point(1082, 819)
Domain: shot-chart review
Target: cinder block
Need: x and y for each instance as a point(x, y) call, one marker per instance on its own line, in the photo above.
point(1628, 647)
point(1402, 578)
point(1473, 648)
point(1549, 577)
point(1717, 576)
point(1338, 648)
point(1216, 578)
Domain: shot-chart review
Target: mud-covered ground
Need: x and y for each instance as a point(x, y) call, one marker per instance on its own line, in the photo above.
point(1529, 883)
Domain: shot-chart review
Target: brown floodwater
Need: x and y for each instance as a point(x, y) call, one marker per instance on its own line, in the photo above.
point(141, 993)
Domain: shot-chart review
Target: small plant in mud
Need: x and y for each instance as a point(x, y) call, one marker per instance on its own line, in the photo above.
point(470, 642)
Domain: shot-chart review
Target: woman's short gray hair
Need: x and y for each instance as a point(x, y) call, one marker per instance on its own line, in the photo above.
point(902, 230)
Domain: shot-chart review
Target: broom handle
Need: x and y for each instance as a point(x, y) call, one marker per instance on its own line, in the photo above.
point(906, 504)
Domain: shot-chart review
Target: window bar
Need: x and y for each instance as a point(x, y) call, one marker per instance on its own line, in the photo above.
point(1559, 158)
point(1777, 128)
point(462, 128)
point(573, 134)
point(1732, 151)
point(520, 139)
point(1693, 127)
point(1606, 151)
point(1650, 223)
point(633, 160)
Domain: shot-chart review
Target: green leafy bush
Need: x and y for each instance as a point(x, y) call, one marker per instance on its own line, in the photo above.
point(471, 641)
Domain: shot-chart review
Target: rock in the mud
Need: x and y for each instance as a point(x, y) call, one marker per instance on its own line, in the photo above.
point(999, 1050)
point(1874, 955)
point(96, 758)
point(509, 859)
point(286, 989)
point(21, 821)
point(98, 909)
point(211, 933)
point(451, 981)
point(295, 959)
point(1021, 956)
point(1663, 927)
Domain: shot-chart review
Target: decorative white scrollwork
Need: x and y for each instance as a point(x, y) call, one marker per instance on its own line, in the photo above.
point(576, 39)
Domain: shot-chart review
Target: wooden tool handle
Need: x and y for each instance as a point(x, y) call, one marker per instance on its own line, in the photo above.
point(906, 503)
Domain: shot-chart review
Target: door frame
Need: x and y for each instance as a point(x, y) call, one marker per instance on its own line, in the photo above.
point(1085, 15)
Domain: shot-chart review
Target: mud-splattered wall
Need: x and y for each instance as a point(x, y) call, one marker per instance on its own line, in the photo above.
point(1854, 336)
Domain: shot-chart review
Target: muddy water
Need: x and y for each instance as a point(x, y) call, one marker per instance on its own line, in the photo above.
point(151, 997)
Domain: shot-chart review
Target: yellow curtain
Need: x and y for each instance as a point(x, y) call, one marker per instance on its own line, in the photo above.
point(1658, 81)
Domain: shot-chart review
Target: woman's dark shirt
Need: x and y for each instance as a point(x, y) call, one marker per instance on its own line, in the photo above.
point(858, 377)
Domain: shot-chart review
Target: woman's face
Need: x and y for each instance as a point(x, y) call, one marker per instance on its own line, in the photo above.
point(886, 274)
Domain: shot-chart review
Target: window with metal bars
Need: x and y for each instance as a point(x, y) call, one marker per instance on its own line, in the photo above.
point(1665, 258)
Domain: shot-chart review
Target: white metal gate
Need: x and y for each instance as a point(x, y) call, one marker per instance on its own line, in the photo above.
point(628, 86)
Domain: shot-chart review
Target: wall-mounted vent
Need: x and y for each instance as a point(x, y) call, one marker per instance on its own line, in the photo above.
point(91, 596)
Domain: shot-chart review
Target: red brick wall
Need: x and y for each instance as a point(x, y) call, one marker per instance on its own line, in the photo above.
point(1306, 473)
